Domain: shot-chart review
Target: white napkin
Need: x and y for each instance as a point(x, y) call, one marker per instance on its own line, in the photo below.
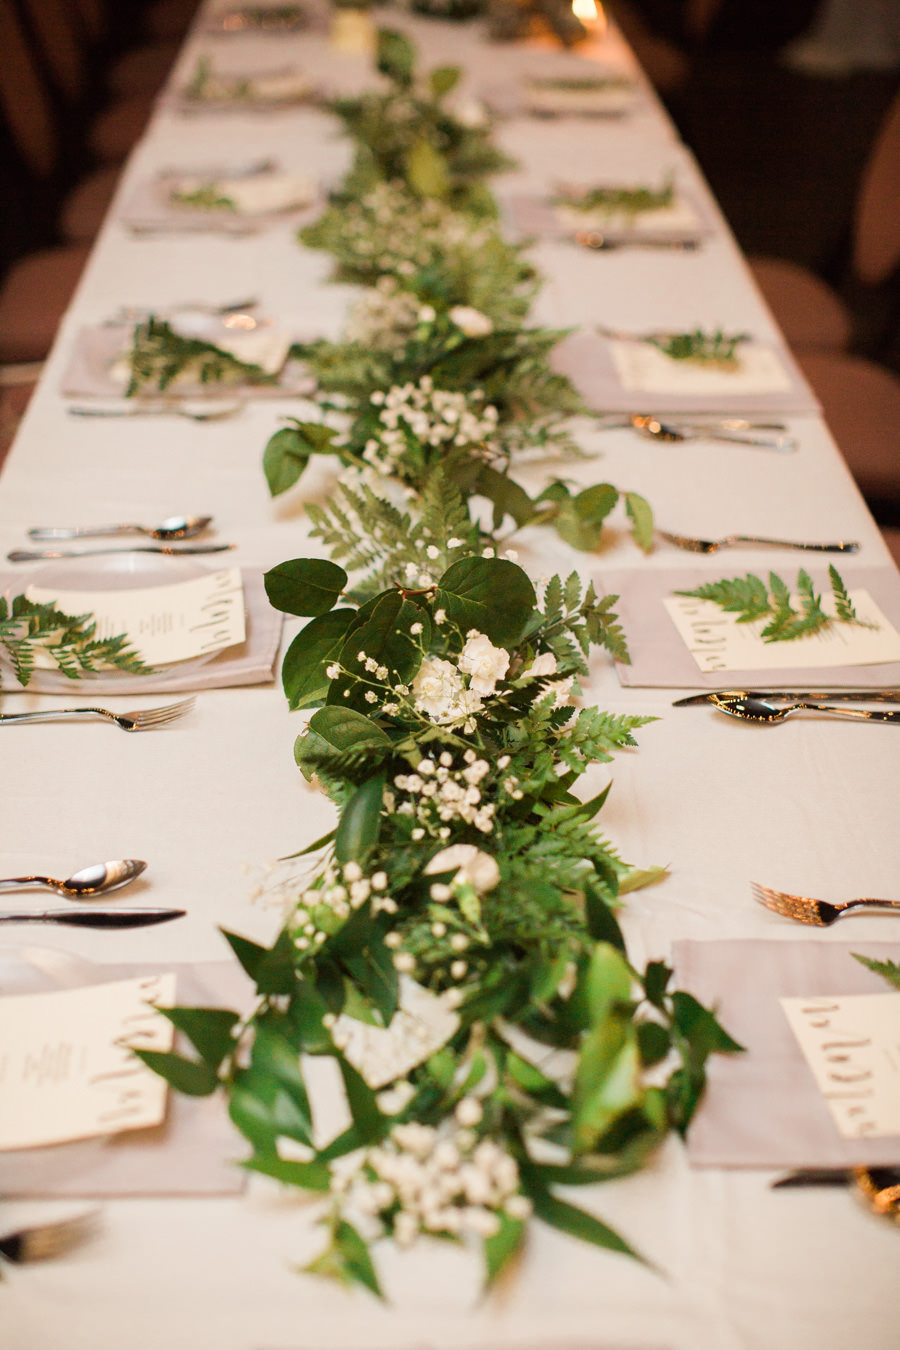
point(256, 195)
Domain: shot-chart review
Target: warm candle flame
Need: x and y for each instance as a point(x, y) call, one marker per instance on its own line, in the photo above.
point(586, 10)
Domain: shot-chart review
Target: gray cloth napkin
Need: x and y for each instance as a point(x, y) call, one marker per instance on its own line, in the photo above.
point(252, 662)
point(763, 1108)
point(194, 1151)
point(659, 657)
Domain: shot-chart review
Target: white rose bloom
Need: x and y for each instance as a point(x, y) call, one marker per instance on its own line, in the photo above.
point(471, 864)
point(436, 687)
point(472, 322)
point(545, 664)
point(483, 662)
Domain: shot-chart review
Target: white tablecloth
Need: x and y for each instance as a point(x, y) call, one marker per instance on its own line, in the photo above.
point(809, 806)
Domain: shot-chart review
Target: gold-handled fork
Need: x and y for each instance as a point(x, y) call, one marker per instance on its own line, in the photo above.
point(819, 913)
point(141, 719)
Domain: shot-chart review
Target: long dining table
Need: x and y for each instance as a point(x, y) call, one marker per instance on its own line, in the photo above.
point(213, 801)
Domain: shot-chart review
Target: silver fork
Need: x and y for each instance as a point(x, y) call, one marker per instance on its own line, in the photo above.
point(141, 719)
point(805, 909)
point(693, 545)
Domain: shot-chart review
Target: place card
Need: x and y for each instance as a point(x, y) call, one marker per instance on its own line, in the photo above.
point(422, 1024)
point(852, 1046)
point(717, 641)
point(176, 622)
point(643, 368)
point(66, 1069)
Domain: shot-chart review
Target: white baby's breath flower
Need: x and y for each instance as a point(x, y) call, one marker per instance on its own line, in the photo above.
point(468, 1112)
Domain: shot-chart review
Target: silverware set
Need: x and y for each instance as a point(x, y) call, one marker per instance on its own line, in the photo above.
point(600, 242)
point(84, 886)
point(39, 555)
point(170, 533)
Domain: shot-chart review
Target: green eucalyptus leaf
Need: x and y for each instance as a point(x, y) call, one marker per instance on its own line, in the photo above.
point(367, 1118)
point(288, 452)
point(640, 514)
point(654, 1043)
point(607, 1081)
point(395, 56)
point(357, 1261)
point(580, 519)
point(336, 728)
point(306, 586)
point(491, 595)
point(360, 823)
point(503, 1246)
point(270, 968)
point(209, 1030)
point(309, 655)
point(442, 79)
point(427, 171)
point(311, 1176)
point(576, 1222)
point(184, 1075)
point(508, 498)
point(278, 1056)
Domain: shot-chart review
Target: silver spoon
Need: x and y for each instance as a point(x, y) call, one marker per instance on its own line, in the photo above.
point(758, 710)
point(174, 527)
point(98, 879)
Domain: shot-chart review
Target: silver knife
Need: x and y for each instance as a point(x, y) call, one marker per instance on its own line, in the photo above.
point(93, 918)
point(842, 695)
point(35, 555)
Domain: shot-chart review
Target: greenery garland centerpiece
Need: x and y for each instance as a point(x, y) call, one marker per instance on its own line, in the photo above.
point(437, 369)
point(454, 949)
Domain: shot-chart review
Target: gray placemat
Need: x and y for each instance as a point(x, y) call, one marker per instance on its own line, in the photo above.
point(763, 1108)
point(195, 1151)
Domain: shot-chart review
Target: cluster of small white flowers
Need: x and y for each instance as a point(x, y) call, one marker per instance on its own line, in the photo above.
point(440, 792)
point(385, 316)
point(391, 230)
point(434, 1181)
point(435, 417)
point(321, 909)
point(471, 321)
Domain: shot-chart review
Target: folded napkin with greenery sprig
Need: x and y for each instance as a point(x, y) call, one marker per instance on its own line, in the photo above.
point(411, 135)
point(208, 88)
point(454, 950)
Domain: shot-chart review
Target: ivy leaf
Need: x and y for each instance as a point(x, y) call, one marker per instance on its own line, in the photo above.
point(209, 1030)
point(288, 452)
point(310, 654)
point(360, 823)
point(492, 595)
point(184, 1075)
point(640, 514)
point(306, 586)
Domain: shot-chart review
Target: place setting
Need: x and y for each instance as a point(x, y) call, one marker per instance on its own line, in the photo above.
point(227, 199)
point(210, 89)
point(667, 373)
point(256, 20)
point(693, 628)
point(604, 216)
point(198, 360)
point(107, 1126)
point(170, 623)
